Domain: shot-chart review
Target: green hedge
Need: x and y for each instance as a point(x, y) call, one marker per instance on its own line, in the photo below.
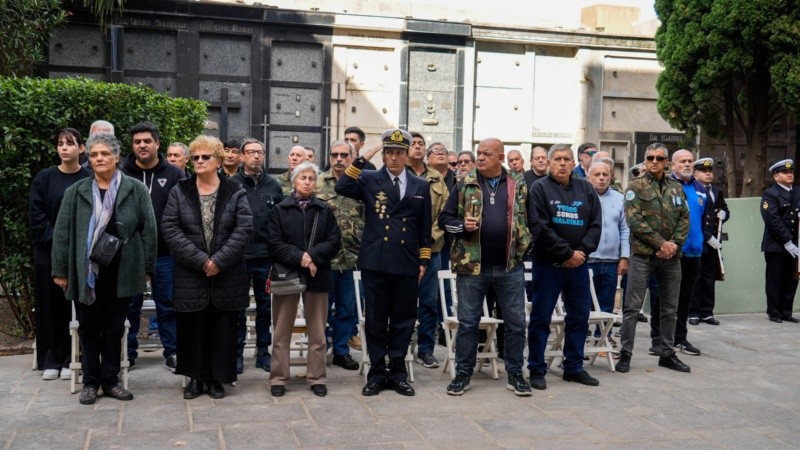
point(32, 111)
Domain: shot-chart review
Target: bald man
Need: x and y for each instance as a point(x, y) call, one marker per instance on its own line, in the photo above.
point(297, 154)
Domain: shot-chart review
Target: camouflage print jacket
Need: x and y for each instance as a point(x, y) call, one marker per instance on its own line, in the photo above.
point(467, 199)
point(349, 215)
point(439, 196)
point(655, 215)
point(285, 180)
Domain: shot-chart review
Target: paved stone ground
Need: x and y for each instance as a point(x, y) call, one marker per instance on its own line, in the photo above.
point(743, 392)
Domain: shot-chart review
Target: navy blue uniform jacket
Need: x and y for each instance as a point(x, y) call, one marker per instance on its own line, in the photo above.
point(779, 211)
point(397, 235)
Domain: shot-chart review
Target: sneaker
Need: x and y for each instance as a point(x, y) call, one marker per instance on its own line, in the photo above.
point(264, 361)
point(172, 362)
point(50, 374)
point(459, 385)
point(277, 390)
point(642, 318)
point(581, 377)
point(624, 363)
point(346, 362)
point(694, 321)
point(710, 320)
point(66, 373)
point(517, 383)
point(687, 348)
point(672, 362)
point(118, 392)
point(537, 381)
point(88, 395)
point(427, 360)
point(354, 342)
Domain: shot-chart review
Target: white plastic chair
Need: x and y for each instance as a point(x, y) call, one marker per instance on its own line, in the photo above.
point(75, 354)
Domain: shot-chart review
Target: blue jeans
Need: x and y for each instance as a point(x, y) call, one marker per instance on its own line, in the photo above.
point(427, 311)
point(573, 284)
point(258, 270)
point(161, 290)
point(511, 296)
point(344, 316)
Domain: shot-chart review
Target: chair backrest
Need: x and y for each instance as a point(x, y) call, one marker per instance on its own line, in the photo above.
point(444, 275)
point(357, 286)
point(595, 303)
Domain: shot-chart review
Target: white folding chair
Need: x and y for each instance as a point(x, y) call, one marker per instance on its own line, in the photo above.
point(75, 354)
point(362, 333)
point(605, 321)
point(487, 352)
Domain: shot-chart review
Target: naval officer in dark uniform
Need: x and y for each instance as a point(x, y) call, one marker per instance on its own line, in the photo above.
point(395, 250)
point(779, 207)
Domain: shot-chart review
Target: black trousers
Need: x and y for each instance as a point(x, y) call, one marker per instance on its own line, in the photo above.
point(704, 289)
point(780, 283)
point(390, 313)
point(207, 343)
point(52, 315)
point(690, 267)
point(101, 327)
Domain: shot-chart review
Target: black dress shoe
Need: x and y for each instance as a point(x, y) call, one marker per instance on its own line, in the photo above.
point(372, 388)
point(403, 388)
point(277, 390)
point(216, 390)
point(193, 389)
point(319, 390)
point(710, 321)
point(581, 377)
point(775, 319)
point(791, 319)
point(694, 321)
point(672, 362)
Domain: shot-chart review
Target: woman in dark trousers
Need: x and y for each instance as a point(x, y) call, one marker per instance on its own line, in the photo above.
point(52, 309)
point(303, 235)
point(207, 224)
point(112, 203)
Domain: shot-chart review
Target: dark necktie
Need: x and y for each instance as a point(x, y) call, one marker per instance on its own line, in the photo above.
point(397, 188)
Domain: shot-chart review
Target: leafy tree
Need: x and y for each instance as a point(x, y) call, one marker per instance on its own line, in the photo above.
point(32, 111)
point(729, 63)
point(25, 27)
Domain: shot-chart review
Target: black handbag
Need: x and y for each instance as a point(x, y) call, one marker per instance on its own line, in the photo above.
point(106, 248)
point(285, 280)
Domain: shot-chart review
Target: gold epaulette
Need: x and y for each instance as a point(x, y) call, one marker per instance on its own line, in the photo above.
point(425, 253)
point(352, 172)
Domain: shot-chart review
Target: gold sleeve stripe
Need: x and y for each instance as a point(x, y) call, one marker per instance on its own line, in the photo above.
point(352, 171)
point(425, 253)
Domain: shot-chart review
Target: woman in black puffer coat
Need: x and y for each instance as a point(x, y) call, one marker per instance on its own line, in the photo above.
point(290, 243)
point(207, 224)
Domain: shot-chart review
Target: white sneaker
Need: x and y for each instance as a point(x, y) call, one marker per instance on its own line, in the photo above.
point(50, 374)
point(66, 373)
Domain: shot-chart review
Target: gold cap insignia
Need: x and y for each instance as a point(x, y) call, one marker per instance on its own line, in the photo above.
point(397, 136)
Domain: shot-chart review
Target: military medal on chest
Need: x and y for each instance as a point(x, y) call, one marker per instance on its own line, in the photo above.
point(381, 199)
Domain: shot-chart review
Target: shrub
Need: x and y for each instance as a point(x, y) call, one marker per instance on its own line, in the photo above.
point(32, 111)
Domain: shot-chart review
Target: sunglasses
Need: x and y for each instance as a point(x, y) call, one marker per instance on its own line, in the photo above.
point(655, 158)
point(339, 155)
point(453, 164)
point(196, 158)
point(590, 153)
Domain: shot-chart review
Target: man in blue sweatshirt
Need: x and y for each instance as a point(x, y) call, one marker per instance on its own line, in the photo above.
point(570, 222)
point(692, 250)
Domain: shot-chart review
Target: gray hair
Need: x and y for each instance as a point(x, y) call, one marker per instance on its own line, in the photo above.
point(181, 145)
point(597, 164)
point(103, 138)
point(658, 146)
point(468, 152)
point(605, 160)
point(558, 148)
point(251, 141)
point(513, 150)
point(104, 127)
point(538, 148)
point(428, 151)
point(342, 143)
point(302, 167)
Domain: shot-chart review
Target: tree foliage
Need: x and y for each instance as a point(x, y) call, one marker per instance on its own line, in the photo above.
point(32, 111)
point(25, 27)
point(728, 63)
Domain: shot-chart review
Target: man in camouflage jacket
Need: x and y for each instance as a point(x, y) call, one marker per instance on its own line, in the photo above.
point(492, 228)
point(349, 215)
point(658, 219)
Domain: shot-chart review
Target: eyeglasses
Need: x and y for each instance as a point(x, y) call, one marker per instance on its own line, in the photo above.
point(464, 161)
point(340, 155)
point(438, 151)
point(453, 164)
point(254, 152)
point(196, 158)
point(655, 158)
